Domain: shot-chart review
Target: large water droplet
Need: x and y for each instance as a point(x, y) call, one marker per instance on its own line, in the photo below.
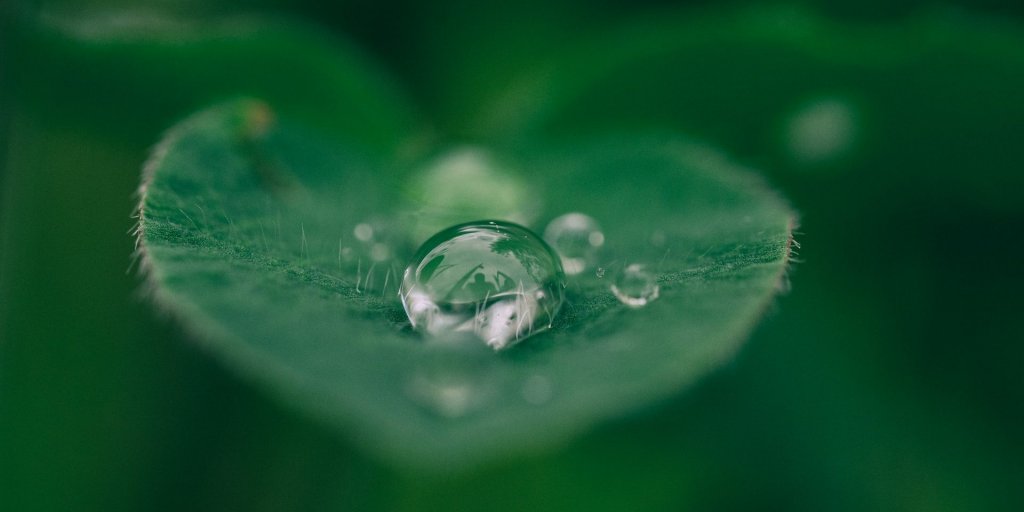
point(490, 280)
point(635, 286)
point(577, 238)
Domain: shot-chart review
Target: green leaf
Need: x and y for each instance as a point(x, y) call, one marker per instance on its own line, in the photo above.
point(911, 103)
point(247, 236)
point(135, 72)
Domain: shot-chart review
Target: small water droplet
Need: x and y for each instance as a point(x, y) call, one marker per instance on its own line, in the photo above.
point(378, 241)
point(600, 272)
point(822, 131)
point(494, 281)
point(363, 231)
point(635, 286)
point(380, 252)
point(577, 237)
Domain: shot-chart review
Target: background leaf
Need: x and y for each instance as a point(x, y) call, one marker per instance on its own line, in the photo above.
point(244, 229)
point(801, 95)
point(142, 70)
point(889, 380)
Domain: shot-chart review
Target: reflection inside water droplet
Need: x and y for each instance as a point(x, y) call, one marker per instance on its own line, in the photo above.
point(490, 280)
point(576, 237)
point(635, 286)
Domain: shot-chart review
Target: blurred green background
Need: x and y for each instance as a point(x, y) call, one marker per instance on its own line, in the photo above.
point(888, 379)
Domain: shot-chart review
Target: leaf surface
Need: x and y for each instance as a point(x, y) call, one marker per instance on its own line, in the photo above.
point(248, 235)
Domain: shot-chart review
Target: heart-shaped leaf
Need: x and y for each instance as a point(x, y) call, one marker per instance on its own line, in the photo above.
point(282, 248)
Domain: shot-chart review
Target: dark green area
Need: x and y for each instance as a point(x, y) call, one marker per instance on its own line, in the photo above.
point(888, 379)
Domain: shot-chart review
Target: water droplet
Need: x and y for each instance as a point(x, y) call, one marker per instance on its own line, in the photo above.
point(377, 240)
point(821, 131)
point(380, 252)
point(577, 238)
point(635, 286)
point(494, 281)
point(600, 272)
point(346, 253)
point(363, 231)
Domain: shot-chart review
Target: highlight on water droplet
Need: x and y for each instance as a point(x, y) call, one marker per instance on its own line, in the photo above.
point(577, 238)
point(635, 286)
point(493, 281)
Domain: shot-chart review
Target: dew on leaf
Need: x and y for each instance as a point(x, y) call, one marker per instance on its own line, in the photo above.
point(821, 131)
point(363, 231)
point(635, 286)
point(576, 237)
point(376, 241)
point(492, 281)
